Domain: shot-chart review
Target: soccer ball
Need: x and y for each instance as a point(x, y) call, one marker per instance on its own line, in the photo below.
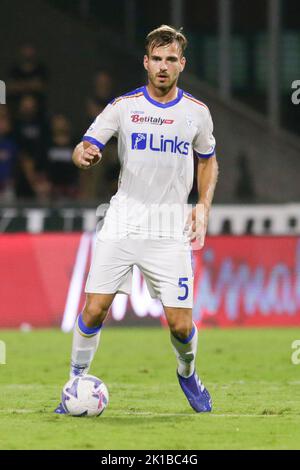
point(85, 396)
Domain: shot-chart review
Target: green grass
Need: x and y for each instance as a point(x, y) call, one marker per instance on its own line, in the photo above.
point(254, 386)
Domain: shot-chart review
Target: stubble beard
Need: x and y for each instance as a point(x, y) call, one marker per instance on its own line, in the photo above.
point(163, 87)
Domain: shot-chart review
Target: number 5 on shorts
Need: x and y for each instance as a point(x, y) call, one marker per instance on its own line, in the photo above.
point(182, 283)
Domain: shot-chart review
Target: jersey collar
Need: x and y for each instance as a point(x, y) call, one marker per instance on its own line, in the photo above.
point(162, 105)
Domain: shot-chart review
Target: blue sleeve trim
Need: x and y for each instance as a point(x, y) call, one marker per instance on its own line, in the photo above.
point(93, 141)
point(85, 329)
point(189, 338)
point(205, 155)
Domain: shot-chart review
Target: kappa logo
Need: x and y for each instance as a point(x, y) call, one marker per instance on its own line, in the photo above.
point(159, 121)
point(142, 141)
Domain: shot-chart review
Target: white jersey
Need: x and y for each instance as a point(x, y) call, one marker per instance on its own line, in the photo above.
point(156, 142)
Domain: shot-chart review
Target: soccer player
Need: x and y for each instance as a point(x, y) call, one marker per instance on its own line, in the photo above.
point(158, 127)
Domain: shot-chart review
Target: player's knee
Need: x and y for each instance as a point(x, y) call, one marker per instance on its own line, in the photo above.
point(94, 313)
point(181, 330)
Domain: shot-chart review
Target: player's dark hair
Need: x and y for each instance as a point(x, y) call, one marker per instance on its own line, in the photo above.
point(163, 36)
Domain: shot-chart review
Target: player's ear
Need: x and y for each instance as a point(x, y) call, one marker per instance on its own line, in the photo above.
point(182, 63)
point(146, 60)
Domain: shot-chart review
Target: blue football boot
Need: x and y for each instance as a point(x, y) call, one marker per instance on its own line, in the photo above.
point(60, 410)
point(197, 395)
point(62, 407)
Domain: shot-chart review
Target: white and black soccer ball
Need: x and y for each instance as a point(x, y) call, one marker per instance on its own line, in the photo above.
point(85, 396)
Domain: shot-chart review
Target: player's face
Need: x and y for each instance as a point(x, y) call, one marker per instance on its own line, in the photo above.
point(164, 65)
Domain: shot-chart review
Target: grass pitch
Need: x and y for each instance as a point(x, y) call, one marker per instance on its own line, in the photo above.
point(249, 373)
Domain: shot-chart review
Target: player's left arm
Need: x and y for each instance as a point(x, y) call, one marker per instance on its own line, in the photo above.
point(207, 175)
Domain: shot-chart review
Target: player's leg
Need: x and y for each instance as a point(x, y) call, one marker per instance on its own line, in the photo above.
point(87, 330)
point(184, 338)
point(110, 272)
point(86, 335)
point(167, 268)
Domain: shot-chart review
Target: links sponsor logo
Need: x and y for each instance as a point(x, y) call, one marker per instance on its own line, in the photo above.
point(142, 141)
point(150, 120)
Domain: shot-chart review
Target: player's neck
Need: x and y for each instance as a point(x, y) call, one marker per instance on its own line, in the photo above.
point(162, 96)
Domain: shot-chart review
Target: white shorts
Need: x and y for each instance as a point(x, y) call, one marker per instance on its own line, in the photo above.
point(165, 264)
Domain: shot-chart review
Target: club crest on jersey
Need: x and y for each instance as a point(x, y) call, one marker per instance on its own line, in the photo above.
point(142, 141)
point(189, 121)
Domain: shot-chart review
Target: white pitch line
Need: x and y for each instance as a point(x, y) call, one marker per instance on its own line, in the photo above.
point(149, 414)
point(18, 411)
point(163, 415)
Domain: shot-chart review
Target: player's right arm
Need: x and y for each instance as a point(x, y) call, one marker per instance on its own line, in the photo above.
point(86, 155)
point(88, 152)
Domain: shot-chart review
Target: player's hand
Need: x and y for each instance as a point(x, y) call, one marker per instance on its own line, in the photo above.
point(84, 158)
point(197, 223)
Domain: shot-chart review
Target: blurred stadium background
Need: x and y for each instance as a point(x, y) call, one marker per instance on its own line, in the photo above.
point(62, 61)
